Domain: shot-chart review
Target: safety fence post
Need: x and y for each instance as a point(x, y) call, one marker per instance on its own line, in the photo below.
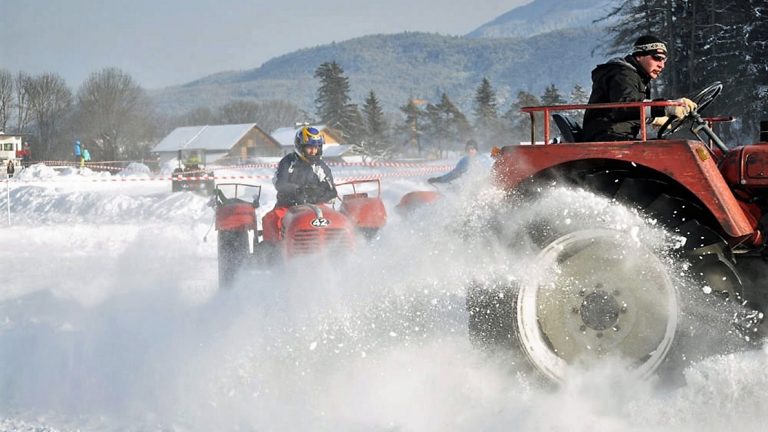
point(8, 198)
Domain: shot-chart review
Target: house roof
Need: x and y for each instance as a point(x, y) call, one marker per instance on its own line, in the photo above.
point(286, 135)
point(218, 137)
point(336, 150)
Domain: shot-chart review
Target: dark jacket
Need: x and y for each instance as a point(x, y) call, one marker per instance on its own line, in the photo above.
point(300, 182)
point(618, 80)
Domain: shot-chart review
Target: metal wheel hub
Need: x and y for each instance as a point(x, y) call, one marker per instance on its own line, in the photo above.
point(596, 293)
point(600, 310)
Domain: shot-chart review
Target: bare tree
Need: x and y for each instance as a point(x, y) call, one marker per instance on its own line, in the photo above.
point(276, 113)
point(6, 98)
point(199, 116)
point(49, 100)
point(112, 113)
point(238, 112)
point(23, 112)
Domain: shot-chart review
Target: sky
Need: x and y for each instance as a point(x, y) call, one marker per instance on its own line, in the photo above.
point(120, 326)
point(162, 42)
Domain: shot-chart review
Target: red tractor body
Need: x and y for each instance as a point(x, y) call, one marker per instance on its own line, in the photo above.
point(689, 164)
point(599, 290)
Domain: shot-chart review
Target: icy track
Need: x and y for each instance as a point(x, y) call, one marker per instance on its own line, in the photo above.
point(110, 320)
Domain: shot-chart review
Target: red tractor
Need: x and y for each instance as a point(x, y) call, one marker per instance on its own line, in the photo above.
point(306, 229)
point(585, 299)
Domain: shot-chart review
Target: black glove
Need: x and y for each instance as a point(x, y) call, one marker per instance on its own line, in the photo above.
point(432, 180)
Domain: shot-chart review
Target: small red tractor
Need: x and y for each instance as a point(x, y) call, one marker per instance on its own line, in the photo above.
point(586, 299)
point(306, 229)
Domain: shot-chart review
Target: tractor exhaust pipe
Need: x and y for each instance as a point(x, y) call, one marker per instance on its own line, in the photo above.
point(764, 131)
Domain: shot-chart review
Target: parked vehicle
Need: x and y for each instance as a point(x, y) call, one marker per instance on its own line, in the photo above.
point(191, 174)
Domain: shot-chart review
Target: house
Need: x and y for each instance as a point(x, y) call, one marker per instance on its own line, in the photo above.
point(333, 148)
point(219, 143)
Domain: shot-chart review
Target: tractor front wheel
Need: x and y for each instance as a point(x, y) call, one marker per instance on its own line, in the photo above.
point(233, 250)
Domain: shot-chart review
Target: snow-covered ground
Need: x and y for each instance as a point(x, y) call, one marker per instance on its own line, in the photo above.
point(110, 320)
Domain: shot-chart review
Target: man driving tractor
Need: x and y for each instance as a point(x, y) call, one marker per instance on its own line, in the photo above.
point(302, 177)
point(628, 79)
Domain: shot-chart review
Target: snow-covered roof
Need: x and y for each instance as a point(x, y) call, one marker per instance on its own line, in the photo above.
point(218, 137)
point(336, 150)
point(286, 135)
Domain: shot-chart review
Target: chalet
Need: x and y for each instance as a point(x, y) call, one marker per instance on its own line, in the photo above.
point(219, 143)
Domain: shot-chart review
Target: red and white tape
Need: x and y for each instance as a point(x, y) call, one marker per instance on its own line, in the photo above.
point(422, 171)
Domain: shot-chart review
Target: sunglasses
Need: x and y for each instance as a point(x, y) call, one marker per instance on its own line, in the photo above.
point(659, 57)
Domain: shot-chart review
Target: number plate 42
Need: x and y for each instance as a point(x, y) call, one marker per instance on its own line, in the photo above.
point(320, 222)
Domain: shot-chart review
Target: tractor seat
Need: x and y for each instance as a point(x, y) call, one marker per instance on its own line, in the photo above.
point(570, 129)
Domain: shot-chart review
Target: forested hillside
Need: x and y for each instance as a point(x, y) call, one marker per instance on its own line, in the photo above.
point(398, 67)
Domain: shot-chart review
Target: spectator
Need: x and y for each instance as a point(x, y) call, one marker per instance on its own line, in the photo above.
point(86, 157)
point(26, 155)
point(78, 152)
point(11, 169)
point(461, 167)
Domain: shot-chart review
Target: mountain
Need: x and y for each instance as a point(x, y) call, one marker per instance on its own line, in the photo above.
point(421, 65)
point(543, 16)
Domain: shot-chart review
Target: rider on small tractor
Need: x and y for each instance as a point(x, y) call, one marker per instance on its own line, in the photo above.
point(302, 177)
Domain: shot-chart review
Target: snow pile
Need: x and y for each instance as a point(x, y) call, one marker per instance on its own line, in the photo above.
point(135, 169)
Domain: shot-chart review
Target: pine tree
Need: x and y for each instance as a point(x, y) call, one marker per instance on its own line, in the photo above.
point(332, 101)
point(487, 125)
point(552, 96)
point(447, 127)
point(486, 109)
point(374, 142)
point(412, 126)
point(578, 97)
point(520, 122)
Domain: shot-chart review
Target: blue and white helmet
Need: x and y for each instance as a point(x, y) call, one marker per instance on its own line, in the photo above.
point(308, 136)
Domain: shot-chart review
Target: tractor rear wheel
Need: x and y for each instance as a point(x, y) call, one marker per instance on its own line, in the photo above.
point(586, 300)
point(596, 292)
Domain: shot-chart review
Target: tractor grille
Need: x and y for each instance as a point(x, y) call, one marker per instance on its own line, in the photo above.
point(314, 241)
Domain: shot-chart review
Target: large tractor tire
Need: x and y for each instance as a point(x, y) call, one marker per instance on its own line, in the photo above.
point(598, 292)
point(233, 251)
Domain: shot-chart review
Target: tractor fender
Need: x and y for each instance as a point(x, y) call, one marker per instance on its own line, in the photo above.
point(687, 163)
point(235, 217)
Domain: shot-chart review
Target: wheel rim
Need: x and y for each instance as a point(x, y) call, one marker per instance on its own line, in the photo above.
point(596, 294)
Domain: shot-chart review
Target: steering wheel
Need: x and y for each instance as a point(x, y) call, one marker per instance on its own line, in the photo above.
point(703, 99)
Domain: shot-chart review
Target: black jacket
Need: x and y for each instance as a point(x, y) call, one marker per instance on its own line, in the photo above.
point(300, 182)
point(618, 80)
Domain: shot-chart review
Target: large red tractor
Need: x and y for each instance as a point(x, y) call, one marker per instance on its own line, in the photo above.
point(586, 298)
point(306, 229)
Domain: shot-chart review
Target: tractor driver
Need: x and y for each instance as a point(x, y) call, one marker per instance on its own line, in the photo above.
point(302, 177)
point(628, 79)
